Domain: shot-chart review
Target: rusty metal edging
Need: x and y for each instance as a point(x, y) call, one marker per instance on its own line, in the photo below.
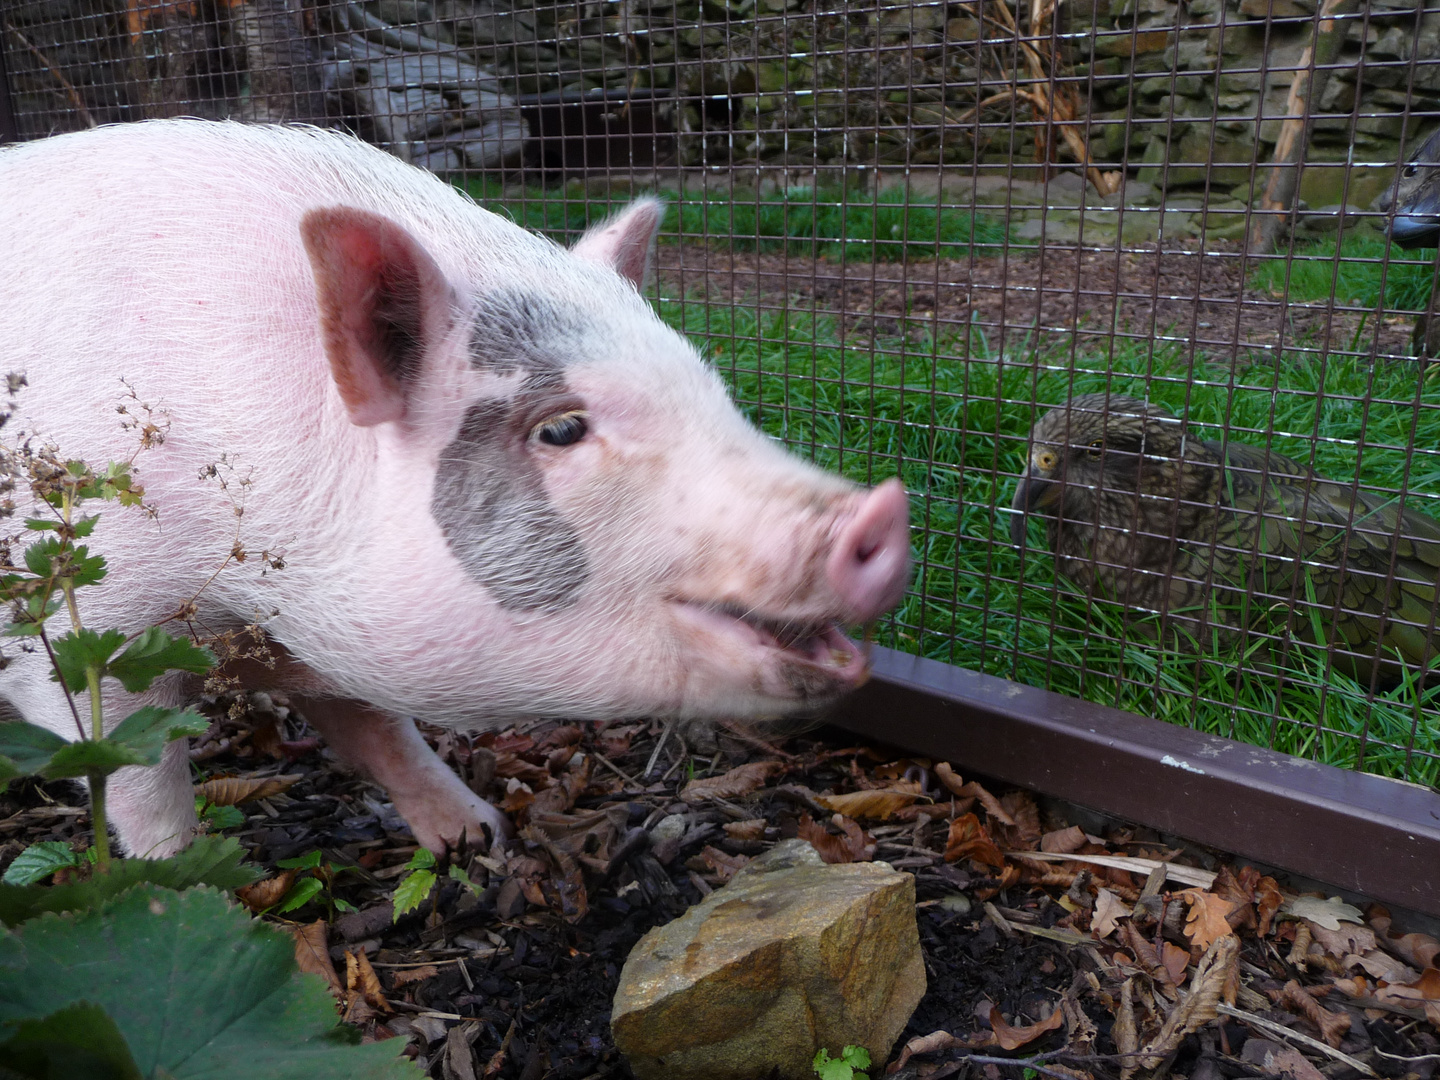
point(1358, 832)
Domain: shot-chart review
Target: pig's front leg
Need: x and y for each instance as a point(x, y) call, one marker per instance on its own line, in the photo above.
point(434, 801)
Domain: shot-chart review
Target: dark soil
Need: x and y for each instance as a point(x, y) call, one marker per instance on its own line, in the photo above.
point(1052, 294)
point(517, 975)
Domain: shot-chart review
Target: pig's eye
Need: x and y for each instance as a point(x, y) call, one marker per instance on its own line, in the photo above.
point(562, 429)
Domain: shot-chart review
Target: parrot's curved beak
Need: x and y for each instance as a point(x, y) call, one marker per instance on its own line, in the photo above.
point(1034, 491)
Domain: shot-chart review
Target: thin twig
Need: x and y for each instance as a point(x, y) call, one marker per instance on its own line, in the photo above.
point(615, 768)
point(1286, 1033)
point(69, 700)
point(76, 101)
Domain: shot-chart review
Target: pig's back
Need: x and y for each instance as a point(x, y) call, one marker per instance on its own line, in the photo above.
point(169, 253)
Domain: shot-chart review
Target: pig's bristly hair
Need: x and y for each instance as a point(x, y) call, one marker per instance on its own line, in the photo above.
point(198, 284)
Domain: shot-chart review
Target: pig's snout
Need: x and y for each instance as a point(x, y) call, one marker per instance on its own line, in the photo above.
point(869, 565)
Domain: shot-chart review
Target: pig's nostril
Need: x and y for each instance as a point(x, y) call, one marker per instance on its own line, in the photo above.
point(869, 565)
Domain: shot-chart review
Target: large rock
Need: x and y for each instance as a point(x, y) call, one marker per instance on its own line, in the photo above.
point(790, 956)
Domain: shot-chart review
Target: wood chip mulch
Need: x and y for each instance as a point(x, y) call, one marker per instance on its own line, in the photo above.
point(1053, 947)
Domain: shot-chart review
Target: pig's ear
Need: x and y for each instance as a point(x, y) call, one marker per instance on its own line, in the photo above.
point(625, 241)
point(383, 304)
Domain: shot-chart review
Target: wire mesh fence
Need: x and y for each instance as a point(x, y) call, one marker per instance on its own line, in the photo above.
point(1109, 283)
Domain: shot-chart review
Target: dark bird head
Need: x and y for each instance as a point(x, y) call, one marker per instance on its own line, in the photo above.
point(1416, 199)
point(1092, 448)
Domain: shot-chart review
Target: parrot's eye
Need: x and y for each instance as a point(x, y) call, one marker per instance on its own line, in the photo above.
point(562, 429)
point(1095, 448)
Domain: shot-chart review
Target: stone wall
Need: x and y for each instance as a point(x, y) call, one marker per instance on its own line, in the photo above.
point(1185, 96)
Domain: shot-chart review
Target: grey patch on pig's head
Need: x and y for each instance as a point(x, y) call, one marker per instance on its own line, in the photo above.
point(491, 504)
point(511, 330)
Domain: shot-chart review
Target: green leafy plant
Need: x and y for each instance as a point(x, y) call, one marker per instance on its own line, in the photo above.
point(847, 1066)
point(315, 875)
point(134, 968)
point(230, 1004)
point(416, 885)
point(55, 567)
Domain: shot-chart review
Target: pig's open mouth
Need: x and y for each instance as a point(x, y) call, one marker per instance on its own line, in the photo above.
point(818, 644)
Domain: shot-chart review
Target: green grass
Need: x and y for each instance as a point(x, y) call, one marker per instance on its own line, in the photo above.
point(950, 417)
point(1356, 278)
point(801, 221)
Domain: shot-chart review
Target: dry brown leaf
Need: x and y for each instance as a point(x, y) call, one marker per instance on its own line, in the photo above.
point(878, 804)
point(1421, 950)
point(1289, 1062)
point(1064, 841)
point(741, 780)
point(362, 984)
point(1208, 919)
point(267, 893)
point(951, 779)
point(1012, 1038)
point(1175, 960)
point(1267, 902)
point(989, 802)
point(312, 954)
point(1425, 988)
point(406, 976)
point(1432, 1014)
point(1332, 1025)
point(1147, 958)
point(969, 840)
point(750, 829)
point(1024, 833)
point(928, 1044)
point(1349, 938)
point(1329, 912)
point(1124, 1032)
point(853, 846)
point(1381, 965)
point(234, 790)
point(722, 864)
point(1109, 910)
point(1199, 1006)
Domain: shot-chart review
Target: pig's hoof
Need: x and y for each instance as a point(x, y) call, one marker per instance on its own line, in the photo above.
point(438, 822)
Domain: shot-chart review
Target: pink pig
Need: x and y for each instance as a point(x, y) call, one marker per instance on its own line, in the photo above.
point(501, 484)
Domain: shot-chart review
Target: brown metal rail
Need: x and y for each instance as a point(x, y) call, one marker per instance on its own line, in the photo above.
point(1363, 833)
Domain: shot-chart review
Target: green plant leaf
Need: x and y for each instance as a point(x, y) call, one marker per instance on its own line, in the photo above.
point(39, 861)
point(423, 859)
point(857, 1057)
point(299, 894)
point(147, 730)
point(219, 817)
point(77, 651)
point(828, 1068)
point(40, 556)
point(209, 860)
point(86, 569)
point(456, 874)
point(37, 610)
point(414, 887)
point(76, 1041)
point(155, 652)
point(309, 861)
point(86, 525)
point(93, 757)
point(30, 747)
point(195, 987)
